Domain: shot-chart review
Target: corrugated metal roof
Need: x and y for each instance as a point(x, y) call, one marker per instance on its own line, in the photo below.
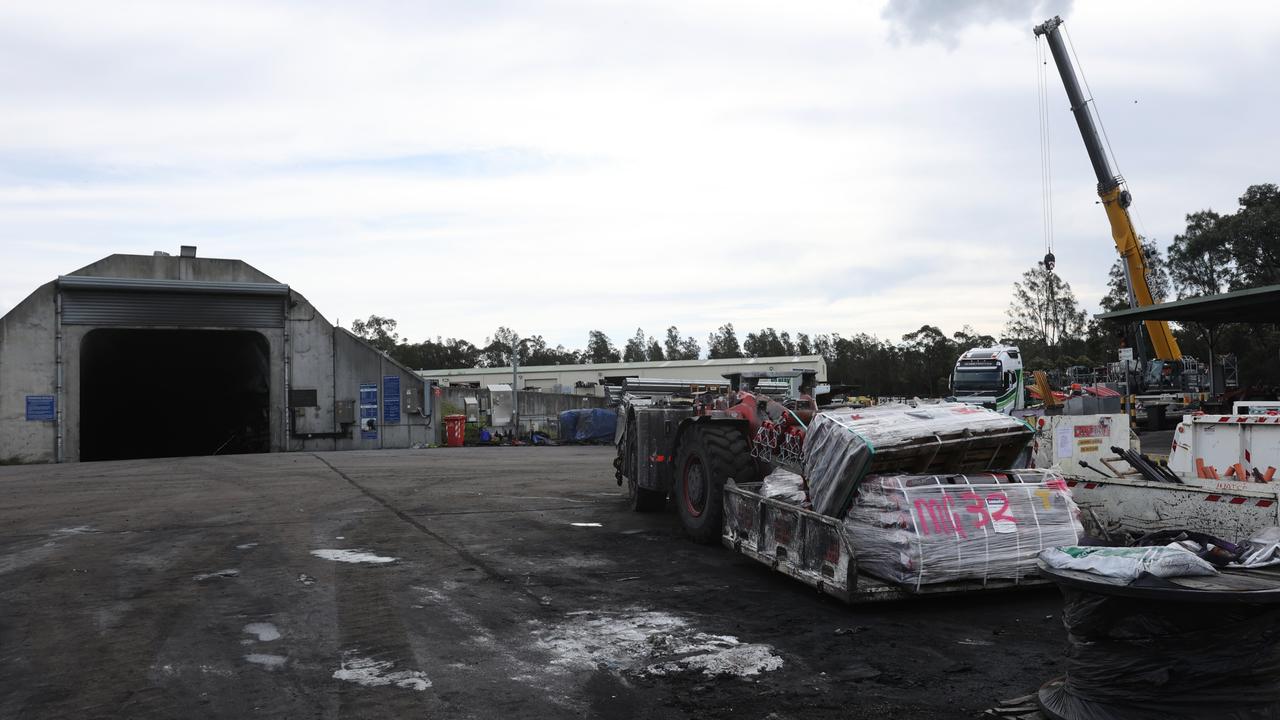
point(78, 282)
point(1255, 305)
point(131, 308)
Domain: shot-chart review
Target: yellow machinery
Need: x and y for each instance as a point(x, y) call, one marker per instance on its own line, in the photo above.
point(1115, 198)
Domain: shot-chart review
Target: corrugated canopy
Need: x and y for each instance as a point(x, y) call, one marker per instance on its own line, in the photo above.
point(81, 282)
point(1255, 305)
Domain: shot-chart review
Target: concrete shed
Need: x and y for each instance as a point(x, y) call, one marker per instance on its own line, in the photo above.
point(159, 356)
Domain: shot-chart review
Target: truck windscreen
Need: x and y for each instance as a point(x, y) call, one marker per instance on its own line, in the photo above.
point(977, 380)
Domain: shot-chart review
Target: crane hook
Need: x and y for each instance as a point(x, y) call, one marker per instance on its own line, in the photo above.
point(1049, 261)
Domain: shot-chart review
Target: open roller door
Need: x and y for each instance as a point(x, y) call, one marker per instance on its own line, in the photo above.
point(167, 393)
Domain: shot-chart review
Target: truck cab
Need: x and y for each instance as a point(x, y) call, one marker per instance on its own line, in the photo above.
point(990, 377)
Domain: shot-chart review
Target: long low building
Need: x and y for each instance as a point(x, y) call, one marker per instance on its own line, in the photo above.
point(590, 379)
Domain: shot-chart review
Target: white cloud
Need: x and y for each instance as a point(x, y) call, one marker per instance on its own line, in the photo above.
point(559, 167)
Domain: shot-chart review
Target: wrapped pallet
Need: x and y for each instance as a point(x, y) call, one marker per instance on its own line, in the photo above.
point(843, 446)
point(785, 486)
point(916, 530)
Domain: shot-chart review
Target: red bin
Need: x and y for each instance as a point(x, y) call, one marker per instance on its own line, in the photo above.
point(454, 428)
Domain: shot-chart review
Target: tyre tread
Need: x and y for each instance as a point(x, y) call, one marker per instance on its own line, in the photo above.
point(726, 454)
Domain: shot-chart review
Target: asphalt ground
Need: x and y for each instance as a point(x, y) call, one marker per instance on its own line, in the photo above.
point(449, 583)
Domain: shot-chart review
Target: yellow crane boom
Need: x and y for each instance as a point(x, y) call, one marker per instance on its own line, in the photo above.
point(1115, 198)
point(1163, 343)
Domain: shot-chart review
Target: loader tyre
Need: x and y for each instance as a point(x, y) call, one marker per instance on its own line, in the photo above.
point(628, 463)
point(707, 457)
point(642, 500)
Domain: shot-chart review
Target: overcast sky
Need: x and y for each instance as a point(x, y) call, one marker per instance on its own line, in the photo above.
point(561, 166)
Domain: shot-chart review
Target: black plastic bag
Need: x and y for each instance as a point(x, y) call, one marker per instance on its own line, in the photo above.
point(1134, 659)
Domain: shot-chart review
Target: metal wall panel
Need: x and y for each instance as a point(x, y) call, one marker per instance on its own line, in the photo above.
point(181, 309)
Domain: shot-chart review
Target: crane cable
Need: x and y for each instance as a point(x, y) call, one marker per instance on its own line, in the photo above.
point(1046, 159)
point(1048, 321)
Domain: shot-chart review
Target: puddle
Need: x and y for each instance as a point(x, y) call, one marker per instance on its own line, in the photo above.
point(77, 530)
point(168, 669)
point(378, 673)
point(265, 632)
point(352, 556)
point(267, 661)
point(716, 655)
point(576, 561)
point(650, 643)
point(229, 573)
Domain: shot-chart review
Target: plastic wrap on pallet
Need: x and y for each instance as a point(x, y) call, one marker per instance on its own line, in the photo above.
point(784, 485)
point(841, 446)
point(1263, 548)
point(1140, 659)
point(916, 530)
point(596, 425)
point(1128, 563)
point(568, 424)
point(588, 425)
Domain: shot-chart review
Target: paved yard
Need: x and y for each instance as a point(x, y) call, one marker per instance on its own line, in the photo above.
point(450, 583)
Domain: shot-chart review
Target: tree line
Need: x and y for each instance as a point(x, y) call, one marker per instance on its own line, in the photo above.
point(1215, 253)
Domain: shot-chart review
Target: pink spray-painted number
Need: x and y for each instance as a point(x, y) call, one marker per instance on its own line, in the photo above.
point(1001, 515)
point(936, 516)
point(977, 507)
point(939, 514)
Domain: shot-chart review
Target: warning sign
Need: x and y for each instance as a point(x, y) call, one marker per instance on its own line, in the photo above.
point(41, 407)
point(368, 411)
point(1092, 431)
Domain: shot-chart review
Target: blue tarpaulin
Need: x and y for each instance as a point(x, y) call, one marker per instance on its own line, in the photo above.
point(588, 425)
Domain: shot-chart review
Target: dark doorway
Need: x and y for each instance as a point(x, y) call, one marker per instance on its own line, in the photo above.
point(167, 393)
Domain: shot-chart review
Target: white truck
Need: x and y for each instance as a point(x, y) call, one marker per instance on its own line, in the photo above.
point(990, 377)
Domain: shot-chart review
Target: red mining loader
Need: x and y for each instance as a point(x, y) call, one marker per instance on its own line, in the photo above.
point(685, 442)
point(708, 447)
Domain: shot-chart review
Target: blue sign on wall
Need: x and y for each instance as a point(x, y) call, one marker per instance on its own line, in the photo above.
point(391, 398)
point(368, 411)
point(41, 407)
